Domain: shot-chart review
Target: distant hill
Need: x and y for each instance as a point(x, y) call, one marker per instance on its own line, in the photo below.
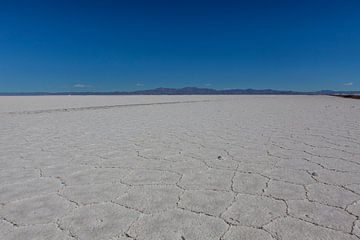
point(187, 91)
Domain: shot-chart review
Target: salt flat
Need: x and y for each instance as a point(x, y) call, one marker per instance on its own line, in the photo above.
point(179, 167)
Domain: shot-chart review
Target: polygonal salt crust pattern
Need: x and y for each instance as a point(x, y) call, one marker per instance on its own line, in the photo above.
point(180, 168)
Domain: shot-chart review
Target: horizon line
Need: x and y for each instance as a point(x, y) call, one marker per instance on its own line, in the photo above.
point(183, 91)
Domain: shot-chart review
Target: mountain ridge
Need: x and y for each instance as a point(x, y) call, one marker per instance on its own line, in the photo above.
point(186, 91)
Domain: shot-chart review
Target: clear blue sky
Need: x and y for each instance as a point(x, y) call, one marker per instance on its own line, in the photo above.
point(130, 45)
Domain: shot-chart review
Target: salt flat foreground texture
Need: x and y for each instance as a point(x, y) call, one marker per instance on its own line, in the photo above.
point(180, 168)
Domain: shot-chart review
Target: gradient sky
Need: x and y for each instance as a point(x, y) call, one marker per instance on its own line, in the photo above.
point(131, 45)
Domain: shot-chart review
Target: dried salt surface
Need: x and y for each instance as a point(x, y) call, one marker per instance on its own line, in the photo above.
point(179, 167)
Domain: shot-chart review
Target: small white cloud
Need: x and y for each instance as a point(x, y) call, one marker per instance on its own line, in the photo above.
point(139, 84)
point(348, 84)
point(208, 84)
point(80, 85)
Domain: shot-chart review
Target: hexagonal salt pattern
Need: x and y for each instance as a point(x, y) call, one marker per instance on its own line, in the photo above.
point(180, 168)
point(331, 195)
point(247, 233)
point(99, 221)
point(37, 210)
point(206, 201)
point(293, 229)
point(324, 215)
point(94, 193)
point(178, 224)
point(150, 199)
point(245, 210)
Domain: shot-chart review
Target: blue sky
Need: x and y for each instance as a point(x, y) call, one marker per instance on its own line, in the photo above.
point(131, 45)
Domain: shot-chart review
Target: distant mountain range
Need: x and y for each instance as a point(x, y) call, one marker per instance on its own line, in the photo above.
point(187, 91)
